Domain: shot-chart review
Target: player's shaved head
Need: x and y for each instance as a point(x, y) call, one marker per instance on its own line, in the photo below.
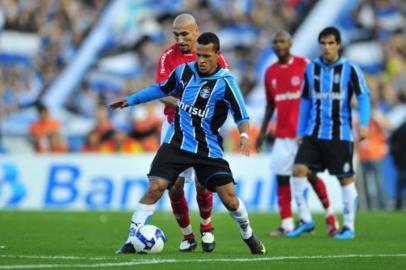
point(282, 34)
point(185, 31)
point(184, 20)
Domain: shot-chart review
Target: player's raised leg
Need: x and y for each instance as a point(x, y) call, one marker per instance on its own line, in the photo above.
point(144, 210)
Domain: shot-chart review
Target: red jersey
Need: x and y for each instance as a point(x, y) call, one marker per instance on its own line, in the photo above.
point(169, 60)
point(283, 84)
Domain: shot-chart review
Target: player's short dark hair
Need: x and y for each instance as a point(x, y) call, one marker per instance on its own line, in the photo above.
point(330, 31)
point(209, 38)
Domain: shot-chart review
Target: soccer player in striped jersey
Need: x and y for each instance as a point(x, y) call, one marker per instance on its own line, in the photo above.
point(207, 93)
point(185, 31)
point(283, 83)
point(325, 123)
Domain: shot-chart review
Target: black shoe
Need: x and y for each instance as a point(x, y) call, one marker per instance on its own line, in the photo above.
point(208, 243)
point(126, 249)
point(188, 245)
point(255, 245)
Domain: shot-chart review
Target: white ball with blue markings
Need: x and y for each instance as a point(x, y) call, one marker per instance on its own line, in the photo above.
point(148, 239)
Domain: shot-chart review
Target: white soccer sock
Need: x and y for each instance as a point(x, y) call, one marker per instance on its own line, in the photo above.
point(300, 188)
point(187, 230)
point(205, 221)
point(350, 201)
point(287, 224)
point(141, 215)
point(241, 217)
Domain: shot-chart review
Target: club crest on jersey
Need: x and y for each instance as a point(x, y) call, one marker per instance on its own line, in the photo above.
point(295, 81)
point(204, 92)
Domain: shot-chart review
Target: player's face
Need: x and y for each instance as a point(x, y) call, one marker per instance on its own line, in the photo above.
point(185, 37)
point(206, 58)
point(281, 46)
point(330, 48)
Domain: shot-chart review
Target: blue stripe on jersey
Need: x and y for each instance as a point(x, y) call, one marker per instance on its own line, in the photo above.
point(169, 133)
point(212, 140)
point(189, 143)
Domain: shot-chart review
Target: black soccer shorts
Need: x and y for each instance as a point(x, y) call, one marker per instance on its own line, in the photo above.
point(333, 155)
point(170, 161)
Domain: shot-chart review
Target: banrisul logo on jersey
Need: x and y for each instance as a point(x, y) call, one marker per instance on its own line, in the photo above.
point(193, 110)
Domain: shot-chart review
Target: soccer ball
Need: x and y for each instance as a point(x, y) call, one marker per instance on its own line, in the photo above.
point(148, 239)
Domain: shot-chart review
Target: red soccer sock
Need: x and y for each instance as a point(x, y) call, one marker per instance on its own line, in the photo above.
point(205, 202)
point(180, 210)
point(284, 201)
point(321, 191)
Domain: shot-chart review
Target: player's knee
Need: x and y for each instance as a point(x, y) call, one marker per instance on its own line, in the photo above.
point(156, 189)
point(300, 170)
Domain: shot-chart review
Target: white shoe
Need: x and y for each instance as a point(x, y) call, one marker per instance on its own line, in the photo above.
point(188, 245)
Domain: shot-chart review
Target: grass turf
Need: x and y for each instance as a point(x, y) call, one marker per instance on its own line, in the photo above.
point(75, 240)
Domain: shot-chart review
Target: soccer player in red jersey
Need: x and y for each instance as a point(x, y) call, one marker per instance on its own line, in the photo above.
point(283, 82)
point(185, 31)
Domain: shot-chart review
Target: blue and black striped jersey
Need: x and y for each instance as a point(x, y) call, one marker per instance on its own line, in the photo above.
point(325, 111)
point(203, 107)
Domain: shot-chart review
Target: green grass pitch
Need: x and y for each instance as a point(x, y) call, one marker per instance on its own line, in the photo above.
point(83, 240)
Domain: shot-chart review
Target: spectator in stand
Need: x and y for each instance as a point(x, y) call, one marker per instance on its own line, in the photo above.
point(121, 143)
point(42, 129)
point(146, 127)
point(92, 143)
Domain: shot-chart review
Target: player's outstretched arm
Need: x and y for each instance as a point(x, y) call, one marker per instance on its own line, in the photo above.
point(120, 104)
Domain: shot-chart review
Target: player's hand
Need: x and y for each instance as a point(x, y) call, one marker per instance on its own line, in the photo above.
point(122, 103)
point(260, 140)
point(363, 133)
point(244, 146)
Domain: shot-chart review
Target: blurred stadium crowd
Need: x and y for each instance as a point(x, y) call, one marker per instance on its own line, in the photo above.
point(44, 35)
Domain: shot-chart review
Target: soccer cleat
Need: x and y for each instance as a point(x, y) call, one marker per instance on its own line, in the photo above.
point(332, 225)
point(255, 245)
point(208, 243)
point(277, 232)
point(302, 227)
point(345, 234)
point(188, 245)
point(126, 249)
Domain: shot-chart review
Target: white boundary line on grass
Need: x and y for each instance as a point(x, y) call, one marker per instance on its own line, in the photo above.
point(166, 261)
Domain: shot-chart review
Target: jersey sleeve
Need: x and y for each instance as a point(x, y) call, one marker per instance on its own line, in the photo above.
point(357, 80)
point(235, 101)
point(163, 68)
